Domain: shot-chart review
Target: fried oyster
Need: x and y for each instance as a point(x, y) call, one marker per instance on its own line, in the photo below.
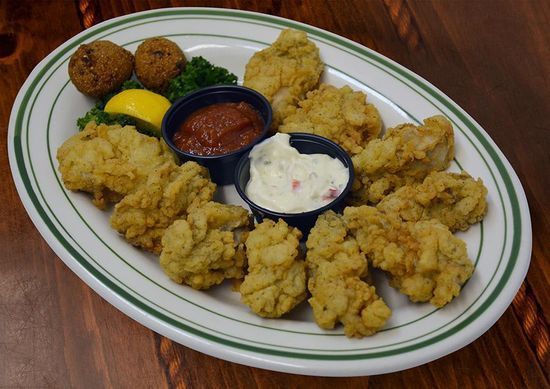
point(109, 161)
point(276, 279)
point(454, 199)
point(341, 115)
point(284, 72)
point(169, 193)
point(207, 247)
point(424, 260)
point(405, 155)
point(335, 266)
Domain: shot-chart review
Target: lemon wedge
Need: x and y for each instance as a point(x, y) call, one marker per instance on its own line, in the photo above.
point(146, 107)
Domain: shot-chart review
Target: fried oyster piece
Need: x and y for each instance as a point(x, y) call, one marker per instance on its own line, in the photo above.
point(425, 261)
point(336, 266)
point(276, 279)
point(109, 161)
point(206, 248)
point(404, 156)
point(169, 193)
point(284, 72)
point(342, 115)
point(454, 199)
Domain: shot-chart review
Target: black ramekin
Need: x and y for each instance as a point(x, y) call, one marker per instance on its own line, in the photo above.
point(222, 167)
point(305, 144)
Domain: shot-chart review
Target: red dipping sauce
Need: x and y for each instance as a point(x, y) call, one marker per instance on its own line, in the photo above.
point(219, 129)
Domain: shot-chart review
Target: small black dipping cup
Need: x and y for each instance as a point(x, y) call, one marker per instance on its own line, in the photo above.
point(221, 167)
point(305, 144)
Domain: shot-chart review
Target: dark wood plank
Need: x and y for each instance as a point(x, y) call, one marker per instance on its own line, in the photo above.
point(54, 331)
point(31, 348)
point(491, 57)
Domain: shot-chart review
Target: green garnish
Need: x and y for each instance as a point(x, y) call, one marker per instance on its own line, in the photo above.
point(98, 115)
point(197, 74)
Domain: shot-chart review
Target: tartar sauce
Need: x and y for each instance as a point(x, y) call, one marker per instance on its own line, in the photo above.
point(283, 180)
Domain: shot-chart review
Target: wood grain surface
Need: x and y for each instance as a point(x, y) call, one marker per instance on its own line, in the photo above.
point(491, 57)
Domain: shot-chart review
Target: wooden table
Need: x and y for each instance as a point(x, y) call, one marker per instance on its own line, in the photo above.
point(491, 57)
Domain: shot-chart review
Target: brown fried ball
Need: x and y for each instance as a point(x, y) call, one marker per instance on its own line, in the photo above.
point(158, 60)
point(100, 67)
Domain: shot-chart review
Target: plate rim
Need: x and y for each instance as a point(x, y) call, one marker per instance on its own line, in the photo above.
point(129, 308)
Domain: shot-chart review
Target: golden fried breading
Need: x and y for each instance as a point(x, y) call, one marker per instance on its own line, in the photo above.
point(157, 61)
point(425, 261)
point(169, 193)
point(284, 72)
point(341, 115)
point(206, 248)
point(454, 199)
point(276, 279)
point(100, 67)
point(109, 161)
point(335, 266)
point(405, 155)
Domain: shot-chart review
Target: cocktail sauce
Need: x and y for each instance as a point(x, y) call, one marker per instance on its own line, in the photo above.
point(219, 129)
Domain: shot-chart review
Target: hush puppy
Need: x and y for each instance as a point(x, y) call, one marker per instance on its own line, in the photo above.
point(158, 60)
point(100, 67)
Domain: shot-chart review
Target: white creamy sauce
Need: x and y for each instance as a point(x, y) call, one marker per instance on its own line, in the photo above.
point(283, 180)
